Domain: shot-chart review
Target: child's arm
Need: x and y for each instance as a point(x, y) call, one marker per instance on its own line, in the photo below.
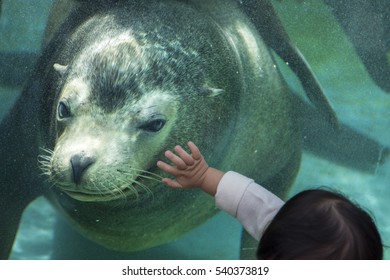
point(238, 195)
point(190, 171)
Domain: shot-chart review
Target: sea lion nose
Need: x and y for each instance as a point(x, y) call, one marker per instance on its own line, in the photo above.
point(80, 162)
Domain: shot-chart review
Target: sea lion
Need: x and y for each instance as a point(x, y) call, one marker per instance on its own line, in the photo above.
point(127, 82)
point(266, 21)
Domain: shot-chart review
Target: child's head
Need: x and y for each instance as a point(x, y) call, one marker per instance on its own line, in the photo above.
point(320, 224)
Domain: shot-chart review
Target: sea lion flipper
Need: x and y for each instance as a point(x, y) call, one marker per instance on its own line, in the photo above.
point(11, 213)
point(19, 182)
point(367, 26)
point(310, 84)
point(271, 29)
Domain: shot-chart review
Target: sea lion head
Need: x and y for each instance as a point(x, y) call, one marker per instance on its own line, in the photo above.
point(123, 100)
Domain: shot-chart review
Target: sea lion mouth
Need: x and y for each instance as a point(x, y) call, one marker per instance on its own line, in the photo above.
point(135, 189)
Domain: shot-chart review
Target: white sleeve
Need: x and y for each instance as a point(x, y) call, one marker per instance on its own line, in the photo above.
point(250, 203)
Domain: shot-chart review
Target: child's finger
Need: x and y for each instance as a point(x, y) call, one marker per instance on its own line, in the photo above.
point(168, 168)
point(177, 161)
point(194, 151)
point(184, 155)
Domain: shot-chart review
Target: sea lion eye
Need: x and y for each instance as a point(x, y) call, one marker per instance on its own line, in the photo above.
point(154, 125)
point(63, 110)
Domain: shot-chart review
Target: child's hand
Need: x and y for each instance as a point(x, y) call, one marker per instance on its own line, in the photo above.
point(189, 170)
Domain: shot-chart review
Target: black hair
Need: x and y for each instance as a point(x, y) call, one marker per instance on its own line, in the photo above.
point(323, 225)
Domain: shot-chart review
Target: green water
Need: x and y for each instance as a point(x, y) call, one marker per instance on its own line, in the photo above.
point(357, 101)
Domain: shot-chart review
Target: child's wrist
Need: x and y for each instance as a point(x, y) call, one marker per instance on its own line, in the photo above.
point(211, 179)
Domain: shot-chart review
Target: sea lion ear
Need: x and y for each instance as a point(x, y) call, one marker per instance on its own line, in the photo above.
point(60, 68)
point(209, 91)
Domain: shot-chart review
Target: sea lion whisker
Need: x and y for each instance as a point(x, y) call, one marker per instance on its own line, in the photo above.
point(45, 157)
point(46, 150)
point(141, 175)
point(144, 187)
point(49, 177)
point(123, 194)
point(45, 173)
point(149, 178)
point(127, 185)
point(52, 183)
point(43, 163)
point(140, 170)
point(95, 187)
point(111, 188)
point(114, 189)
point(44, 166)
point(107, 187)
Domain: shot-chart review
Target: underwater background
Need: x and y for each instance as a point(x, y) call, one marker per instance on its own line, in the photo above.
point(359, 103)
